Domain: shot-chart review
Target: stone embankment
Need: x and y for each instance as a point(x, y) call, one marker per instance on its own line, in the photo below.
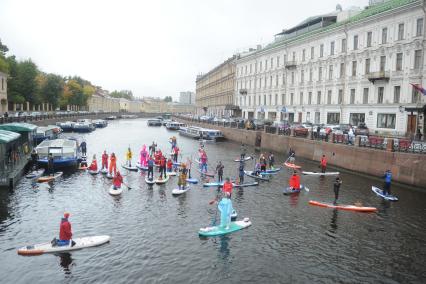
point(407, 168)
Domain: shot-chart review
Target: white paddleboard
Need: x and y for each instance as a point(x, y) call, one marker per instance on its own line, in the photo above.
point(80, 243)
point(93, 172)
point(117, 191)
point(379, 192)
point(148, 181)
point(109, 176)
point(172, 174)
point(178, 191)
point(104, 171)
point(139, 166)
point(321, 174)
point(129, 168)
point(162, 181)
point(35, 174)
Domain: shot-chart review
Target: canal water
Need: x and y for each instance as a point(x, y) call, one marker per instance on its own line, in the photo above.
point(154, 235)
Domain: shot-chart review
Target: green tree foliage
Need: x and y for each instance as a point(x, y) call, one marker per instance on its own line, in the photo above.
point(4, 67)
point(127, 94)
point(51, 88)
point(168, 99)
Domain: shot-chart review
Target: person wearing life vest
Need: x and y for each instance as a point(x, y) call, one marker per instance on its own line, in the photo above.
point(323, 164)
point(117, 181)
point(169, 165)
point(105, 160)
point(94, 165)
point(112, 164)
point(203, 161)
point(65, 233)
point(227, 187)
point(294, 181)
point(388, 179)
point(163, 167)
point(176, 154)
point(225, 208)
point(182, 177)
point(150, 168)
point(34, 159)
point(129, 156)
point(262, 161)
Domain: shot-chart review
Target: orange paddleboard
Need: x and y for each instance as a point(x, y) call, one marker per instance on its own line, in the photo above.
point(343, 207)
point(290, 165)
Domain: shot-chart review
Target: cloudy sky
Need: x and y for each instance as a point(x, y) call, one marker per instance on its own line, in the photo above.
point(154, 48)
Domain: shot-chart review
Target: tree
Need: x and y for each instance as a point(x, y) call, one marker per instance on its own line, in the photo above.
point(52, 89)
point(168, 99)
point(3, 63)
point(126, 94)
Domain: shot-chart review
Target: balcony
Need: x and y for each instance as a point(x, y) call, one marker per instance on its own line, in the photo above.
point(378, 76)
point(243, 91)
point(290, 64)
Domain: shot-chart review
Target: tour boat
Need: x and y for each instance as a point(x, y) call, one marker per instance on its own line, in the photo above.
point(154, 122)
point(100, 123)
point(49, 132)
point(83, 125)
point(65, 152)
point(174, 125)
point(201, 133)
point(66, 126)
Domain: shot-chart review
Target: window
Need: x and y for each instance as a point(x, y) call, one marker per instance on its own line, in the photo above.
point(332, 48)
point(250, 69)
point(319, 97)
point(250, 84)
point(417, 58)
point(333, 118)
point(340, 97)
point(302, 76)
point(292, 77)
point(270, 81)
point(369, 38)
point(353, 68)
point(380, 93)
point(342, 70)
point(309, 98)
point(283, 82)
point(343, 44)
point(355, 42)
point(401, 31)
point(308, 116)
point(352, 98)
point(294, 56)
point(254, 100)
point(270, 99)
point(278, 61)
point(266, 64)
point(365, 96)
point(265, 82)
point(317, 117)
point(321, 50)
point(285, 58)
point(249, 100)
point(283, 99)
point(312, 52)
point(272, 63)
point(384, 35)
point(260, 83)
point(382, 63)
point(356, 118)
point(386, 120)
point(301, 98)
point(264, 100)
point(398, 62)
point(260, 66)
point(276, 80)
point(276, 99)
point(291, 98)
point(367, 66)
point(330, 72)
point(415, 96)
point(419, 27)
point(329, 97)
point(310, 75)
point(319, 73)
point(245, 71)
point(396, 94)
point(303, 55)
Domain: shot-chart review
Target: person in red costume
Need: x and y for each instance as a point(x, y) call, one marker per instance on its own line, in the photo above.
point(294, 182)
point(94, 165)
point(117, 181)
point(105, 160)
point(65, 233)
point(227, 187)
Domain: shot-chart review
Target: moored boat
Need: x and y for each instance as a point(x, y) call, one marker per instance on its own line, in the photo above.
point(154, 122)
point(65, 152)
point(83, 125)
point(49, 132)
point(100, 123)
point(66, 126)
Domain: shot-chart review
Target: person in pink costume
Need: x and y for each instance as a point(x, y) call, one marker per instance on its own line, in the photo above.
point(144, 156)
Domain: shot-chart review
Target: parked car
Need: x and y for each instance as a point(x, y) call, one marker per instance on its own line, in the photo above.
point(36, 113)
point(299, 129)
point(345, 128)
point(362, 129)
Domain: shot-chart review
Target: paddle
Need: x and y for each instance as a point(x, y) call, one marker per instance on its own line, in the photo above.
point(307, 189)
point(128, 187)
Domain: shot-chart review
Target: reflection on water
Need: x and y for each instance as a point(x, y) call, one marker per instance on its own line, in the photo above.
point(333, 224)
point(66, 262)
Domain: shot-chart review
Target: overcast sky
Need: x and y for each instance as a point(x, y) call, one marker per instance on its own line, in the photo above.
point(154, 48)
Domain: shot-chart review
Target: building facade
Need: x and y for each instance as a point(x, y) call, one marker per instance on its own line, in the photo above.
point(348, 66)
point(215, 90)
point(187, 98)
point(179, 108)
point(100, 101)
point(3, 92)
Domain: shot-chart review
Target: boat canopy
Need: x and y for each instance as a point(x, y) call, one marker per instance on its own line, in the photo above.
point(8, 136)
point(18, 127)
point(58, 147)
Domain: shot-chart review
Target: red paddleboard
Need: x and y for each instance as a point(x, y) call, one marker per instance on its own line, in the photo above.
point(290, 165)
point(344, 207)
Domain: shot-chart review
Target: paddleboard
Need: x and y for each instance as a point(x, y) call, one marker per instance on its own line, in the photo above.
point(217, 230)
point(139, 166)
point(245, 159)
point(379, 192)
point(321, 174)
point(82, 168)
point(259, 177)
point(272, 171)
point(292, 166)
point(80, 243)
point(35, 174)
point(215, 183)
point(149, 181)
point(192, 180)
point(178, 191)
point(245, 184)
point(343, 207)
point(206, 174)
point(104, 171)
point(162, 181)
point(49, 178)
point(177, 164)
point(234, 215)
point(113, 191)
point(93, 172)
point(109, 176)
point(172, 174)
point(129, 168)
point(289, 190)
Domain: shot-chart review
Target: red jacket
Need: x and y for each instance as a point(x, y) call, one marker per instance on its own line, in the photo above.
point(163, 162)
point(65, 233)
point(169, 164)
point(105, 158)
point(227, 187)
point(295, 182)
point(93, 166)
point(323, 161)
point(117, 181)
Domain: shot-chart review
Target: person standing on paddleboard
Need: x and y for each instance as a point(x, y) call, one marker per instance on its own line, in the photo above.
point(336, 188)
point(94, 165)
point(163, 167)
point(388, 179)
point(169, 165)
point(83, 147)
point(291, 156)
point(182, 177)
point(219, 171)
point(225, 208)
point(243, 150)
point(105, 160)
point(227, 187)
point(129, 156)
point(152, 148)
point(150, 168)
point(323, 164)
point(188, 166)
point(34, 158)
point(117, 181)
point(294, 182)
point(203, 161)
point(50, 165)
point(175, 153)
point(113, 164)
point(262, 161)
point(241, 172)
point(271, 160)
point(65, 233)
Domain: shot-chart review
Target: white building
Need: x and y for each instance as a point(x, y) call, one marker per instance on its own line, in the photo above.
point(187, 98)
point(344, 67)
point(3, 93)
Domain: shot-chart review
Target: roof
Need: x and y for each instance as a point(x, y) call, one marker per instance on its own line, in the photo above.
point(369, 12)
point(8, 136)
point(19, 127)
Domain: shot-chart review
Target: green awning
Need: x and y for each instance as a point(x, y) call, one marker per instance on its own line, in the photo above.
point(8, 136)
point(18, 127)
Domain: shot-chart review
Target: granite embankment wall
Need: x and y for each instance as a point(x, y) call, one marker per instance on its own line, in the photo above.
point(407, 168)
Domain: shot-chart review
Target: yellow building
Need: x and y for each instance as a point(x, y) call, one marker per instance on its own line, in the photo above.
point(215, 90)
point(102, 102)
point(154, 105)
point(176, 108)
